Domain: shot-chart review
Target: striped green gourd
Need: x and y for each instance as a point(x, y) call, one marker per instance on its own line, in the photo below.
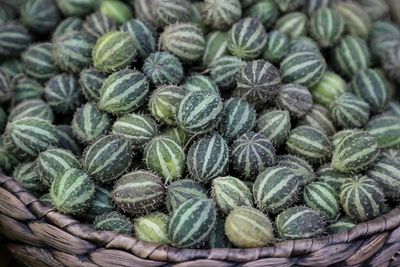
point(152, 228)
point(185, 40)
point(177, 134)
point(310, 143)
point(53, 162)
point(370, 85)
point(289, 5)
point(299, 166)
point(276, 189)
point(25, 88)
point(221, 15)
point(191, 223)
point(138, 128)
point(195, 14)
point(383, 37)
point(8, 160)
point(114, 221)
point(257, 233)
point(224, 69)
point(182, 190)
point(247, 39)
point(199, 112)
point(165, 157)
point(69, 24)
point(7, 13)
point(326, 26)
point(91, 81)
point(275, 125)
point(323, 198)
point(218, 238)
point(351, 55)
point(139, 193)
point(266, 11)
point(32, 108)
point(258, 82)
point(299, 222)
point(208, 158)
point(26, 175)
point(305, 68)
point(123, 91)
point(163, 68)
point(3, 120)
point(386, 130)
point(342, 225)
point(38, 61)
point(144, 36)
point(67, 140)
point(276, 48)
point(328, 89)
point(320, 118)
point(164, 101)
point(113, 51)
point(101, 203)
point(198, 82)
point(393, 108)
point(355, 151)
point(5, 87)
point(303, 44)
point(62, 93)
point(349, 111)
point(355, 18)
point(11, 67)
point(89, 123)
point(216, 47)
point(46, 200)
point(337, 137)
point(376, 9)
point(107, 158)
point(238, 117)
point(293, 24)
point(329, 175)
point(251, 153)
point(72, 191)
point(386, 173)
point(99, 24)
point(72, 52)
point(117, 10)
point(40, 16)
point(361, 198)
point(295, 98)
point(75, 7)
point(29, 136)
point(167, 12)
point(391, 153)
point(14, 39)
point(229, 192)
point(143, 10)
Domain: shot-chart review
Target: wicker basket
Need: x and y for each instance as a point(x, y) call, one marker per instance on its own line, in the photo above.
point(40, 236)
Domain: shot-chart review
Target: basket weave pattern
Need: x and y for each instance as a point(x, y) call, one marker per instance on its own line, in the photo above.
point(39, 236)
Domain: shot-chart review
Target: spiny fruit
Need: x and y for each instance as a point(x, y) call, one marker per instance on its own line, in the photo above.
point(386, 173)
point(295, 98)
point(266, 11)
point(167, 12)
point(342, 225)
point(327, 174)
point(328, 89)
point(143, 34)
point(26, 175)
point(117, 10)
point(294, 24)
point(320, 118)
point(181, 190)
point(40, 16)
point(25, 88)
point(198, 82)
point(163, 68)
point(386, 130)
point(326, 26)
point(152, 228)
point(180, 136)
point(15, 38)
point(277, 46)
point(275, 125)
point(69, 24)
point(113, 221)
point(32, 108)
point(99, 24)
point(221, 15)
point(299, 166)
point(216, 47)
point(91, 81)
point(38, 61)
point(101, 203)
point(224, 69)
point(356, 20)
point(323, 198)
point(218, 238)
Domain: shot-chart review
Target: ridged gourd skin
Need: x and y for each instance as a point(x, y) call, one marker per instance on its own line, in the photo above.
point(252, 153)
point(89, 123)
point(293, 24)
point(123, 91)
point(31, 108)
point(163, 68)
point(357, 21)
point(301, 167)
point(26, 175)
point(114, 51)
point(54, 162)
point(266, 11)
point(139, 193)
point(75, 7)
point(224, 69)
point(167, 12)
point(319, 118)
point(11, 67)
point(143, 10)
point(349, 111)
point(185, 231)
point(276, 48)
point(326, 26)
point(101, 203)
point(229, 192)
point(8, 160)
point(199, 82)
point(295, 98)
point(113, 221)
point(386, 173)
point(99, 24)
point(309, 143)
point(375, 9)
point(138, 128)
point(302, 44)
point(311, 6)
point(327, 174)
point(276, 189)
point(208, 158)
point(25, 88)
point(38, 61)
point(328, 89)
point(72, 191)
point(67, 140)
point(337, 137)
point(258, 82)
point(5, 87)
point(40, 16)
point(299, 222)
point(361, 198)
point(382, 38)
point(180, 136)
point(144, 36)
point(247, 39)
point(342, 225)
point(275, 125)
point(221, 15)
point(393, 108)
point(15, 39)
point(199, 112)
point(164, 101)
point(91, 81)
point(216, 47)
point(165, 157)
point(117, 10)
point(257, 233)
point(107, 158)
point(152, 228)
point(69, 24)
point(355, 152)
point(393, 154)
point(181, 190)
point(218, 238)
point(289, 5)
point(322, 198)
point(386, 130)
